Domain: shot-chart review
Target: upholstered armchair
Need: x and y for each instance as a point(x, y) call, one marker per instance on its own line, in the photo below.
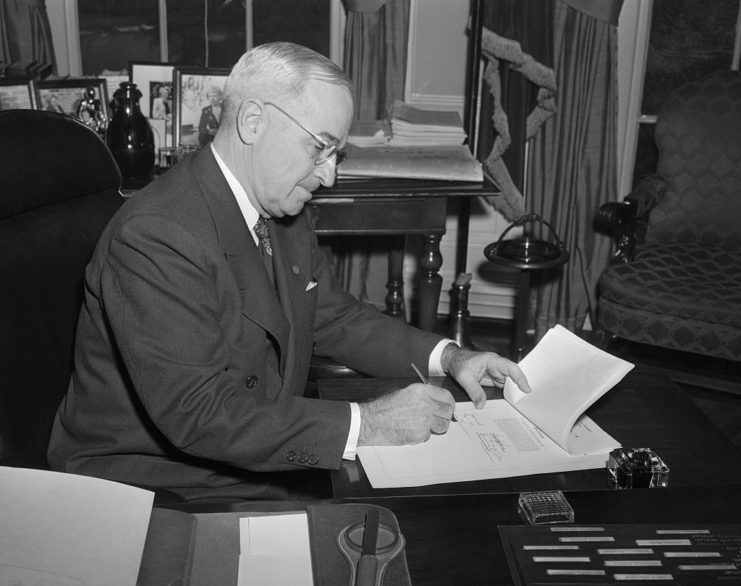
point(59, 186)
point(675, 280)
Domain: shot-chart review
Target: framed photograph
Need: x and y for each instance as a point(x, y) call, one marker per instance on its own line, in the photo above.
point(198, 94)
point(67, 95)
point(18, 94)
point(154, 81)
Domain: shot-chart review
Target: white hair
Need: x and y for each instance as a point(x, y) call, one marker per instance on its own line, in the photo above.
point(277, 71)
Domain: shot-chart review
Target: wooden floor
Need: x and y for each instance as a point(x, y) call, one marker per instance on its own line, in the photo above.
point(713, 384)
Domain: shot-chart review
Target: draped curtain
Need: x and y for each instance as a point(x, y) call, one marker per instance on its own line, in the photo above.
point(25, 39)
point(376, 36)
point(573, 158)
point(517, 44)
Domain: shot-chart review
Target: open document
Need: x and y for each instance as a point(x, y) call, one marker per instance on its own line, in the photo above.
point(540, 432)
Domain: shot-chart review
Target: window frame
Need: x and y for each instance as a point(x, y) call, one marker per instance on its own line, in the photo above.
point(69, 56)
point(635, 31)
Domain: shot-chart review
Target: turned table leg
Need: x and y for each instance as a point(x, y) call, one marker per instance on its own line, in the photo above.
point(430, 281)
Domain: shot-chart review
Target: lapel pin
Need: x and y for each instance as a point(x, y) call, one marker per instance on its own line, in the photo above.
point(295, 270)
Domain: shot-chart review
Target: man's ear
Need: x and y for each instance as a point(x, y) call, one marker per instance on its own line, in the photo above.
point(250, 121)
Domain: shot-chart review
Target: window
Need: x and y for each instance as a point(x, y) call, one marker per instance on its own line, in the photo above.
point(198, 33)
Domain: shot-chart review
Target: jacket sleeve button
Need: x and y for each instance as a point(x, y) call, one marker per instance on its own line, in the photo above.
point(290, 455)
point(303, 458)
point(251, 382)
point(313, 459)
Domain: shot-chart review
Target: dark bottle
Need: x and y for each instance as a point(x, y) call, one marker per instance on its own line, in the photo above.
point(130, 137)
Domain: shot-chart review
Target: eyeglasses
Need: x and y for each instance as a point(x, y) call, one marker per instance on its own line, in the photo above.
point(328, 150)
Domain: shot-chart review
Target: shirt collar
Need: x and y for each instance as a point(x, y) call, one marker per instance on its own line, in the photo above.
point(249, 212)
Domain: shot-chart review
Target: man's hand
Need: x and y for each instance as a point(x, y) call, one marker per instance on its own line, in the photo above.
point(406, 416)
point(474, 369)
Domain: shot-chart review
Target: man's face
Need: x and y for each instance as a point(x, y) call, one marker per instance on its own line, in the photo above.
point(214, 98)
point(288, 175)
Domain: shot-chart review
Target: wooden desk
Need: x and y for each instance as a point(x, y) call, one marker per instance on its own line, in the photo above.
point(646, 409)
point(455, 539)
point(396, 207)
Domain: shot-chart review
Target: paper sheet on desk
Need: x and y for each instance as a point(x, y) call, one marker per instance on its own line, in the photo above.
point(275, 549)
point(67, 530)
point(494, 442)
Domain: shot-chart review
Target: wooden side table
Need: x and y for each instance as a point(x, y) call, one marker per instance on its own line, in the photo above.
point(397, 207)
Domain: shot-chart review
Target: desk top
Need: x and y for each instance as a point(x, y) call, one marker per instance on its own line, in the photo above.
point(364, 188)
point(645, 409)
point(455, 539)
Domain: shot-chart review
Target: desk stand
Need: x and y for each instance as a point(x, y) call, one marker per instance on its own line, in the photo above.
point(523, 295)
point(526, 253)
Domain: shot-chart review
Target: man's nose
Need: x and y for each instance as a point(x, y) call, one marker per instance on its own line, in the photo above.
point(326, 172)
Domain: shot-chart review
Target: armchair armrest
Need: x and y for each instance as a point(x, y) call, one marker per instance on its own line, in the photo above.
point(626, 221)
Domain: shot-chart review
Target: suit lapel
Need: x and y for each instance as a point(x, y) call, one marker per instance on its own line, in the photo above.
point(259, 302)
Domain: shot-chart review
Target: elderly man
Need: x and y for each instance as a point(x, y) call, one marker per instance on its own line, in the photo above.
point(207, 295)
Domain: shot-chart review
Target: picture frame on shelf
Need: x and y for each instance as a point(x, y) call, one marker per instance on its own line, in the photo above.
point(198, 93)
point(155, 82)
point(65, 95)
point(18, 94)
point(113, 80)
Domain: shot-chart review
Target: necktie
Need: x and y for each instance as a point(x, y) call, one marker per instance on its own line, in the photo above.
point(262, 230)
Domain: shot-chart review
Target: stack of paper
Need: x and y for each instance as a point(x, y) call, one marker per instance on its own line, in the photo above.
point(275, 549)
point(438, 162)
point(369, 133)
point(412, 126)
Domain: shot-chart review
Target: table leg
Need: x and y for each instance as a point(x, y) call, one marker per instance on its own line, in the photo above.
point(395, 284)
point(430, 281)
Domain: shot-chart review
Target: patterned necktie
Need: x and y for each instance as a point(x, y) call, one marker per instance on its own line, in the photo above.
point(262, 230)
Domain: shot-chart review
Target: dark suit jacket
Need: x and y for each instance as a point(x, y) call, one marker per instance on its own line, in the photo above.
point(189, 371)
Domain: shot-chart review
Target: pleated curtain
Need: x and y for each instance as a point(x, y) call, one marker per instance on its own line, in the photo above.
point(573, 158)
point(376, 36)
point(25, 39)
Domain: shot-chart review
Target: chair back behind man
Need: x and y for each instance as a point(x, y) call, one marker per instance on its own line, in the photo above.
point(698, 136)
point(59, 186)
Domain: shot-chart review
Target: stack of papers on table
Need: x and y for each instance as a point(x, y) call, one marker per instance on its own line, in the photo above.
point(438, 162)
point(412, 126)
point(369, 133)
point(275, 549)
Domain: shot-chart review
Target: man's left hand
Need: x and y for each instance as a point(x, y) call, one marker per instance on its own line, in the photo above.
point(473, 369)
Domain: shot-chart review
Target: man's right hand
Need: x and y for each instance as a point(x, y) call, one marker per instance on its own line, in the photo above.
point(407, 416)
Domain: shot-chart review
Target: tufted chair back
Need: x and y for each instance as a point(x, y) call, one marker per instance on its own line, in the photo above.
point(59, 186)
point(698, 135)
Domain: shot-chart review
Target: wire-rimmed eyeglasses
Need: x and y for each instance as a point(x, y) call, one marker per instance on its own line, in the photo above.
point(327, 149)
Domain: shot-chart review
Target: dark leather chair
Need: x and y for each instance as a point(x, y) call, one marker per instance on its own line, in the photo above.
point(59, 186)
point(675, 281)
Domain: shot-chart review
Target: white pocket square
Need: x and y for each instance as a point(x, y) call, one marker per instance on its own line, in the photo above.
point(311, 285)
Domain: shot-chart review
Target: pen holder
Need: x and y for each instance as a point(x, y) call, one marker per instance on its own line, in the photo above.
point(389, 544)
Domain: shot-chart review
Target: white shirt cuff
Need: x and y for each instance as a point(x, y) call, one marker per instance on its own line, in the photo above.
point(351, 447)
point(435, 367)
